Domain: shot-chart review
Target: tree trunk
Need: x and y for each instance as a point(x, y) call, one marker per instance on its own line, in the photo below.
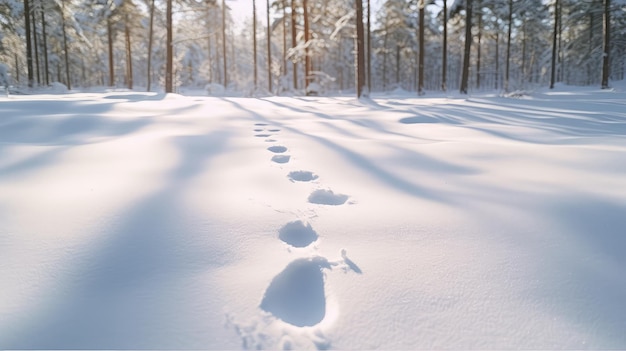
point(468, 46)
point(398, 65)
point(554, 44)
point(17, 68)
point(224, 62)
point(478, 47)
point(129, 55)
point(110, 39)
point(444, 61)
point(294, 43)
point(385, 39)
point(420, 70)
point(497, 58)
point(369, 47)
point(65, 48)
point(36, 45)
point(307, 57)
point(150, 40)
point(360, 48)
point(45, 46)
point(560, 41)
point(524, 39)
point(269, 48)
point(606, 45)
point(284, 37)
point(420, 84)
point(254, 59)
point(508, 48)
point(29, 45)
point(169, 60)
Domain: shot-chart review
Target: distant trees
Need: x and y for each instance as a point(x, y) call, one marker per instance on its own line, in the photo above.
point(416, 45)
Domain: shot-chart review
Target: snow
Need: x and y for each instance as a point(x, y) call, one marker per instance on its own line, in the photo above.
point(146, 221)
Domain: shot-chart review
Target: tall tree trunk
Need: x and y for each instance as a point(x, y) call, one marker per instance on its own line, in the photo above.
point(29, 45)
point(224, 44)
point(110, 42)
point(294, 43)
point(307, 57)
point(129, 55)
point(360, 48)
point(17, 68)
point(150, 40)
point(554, 44)
point(369, 47)
point(169, 60)
point(420, 84)
point(65, 47)
point(468, 46)
point(444, 61)
point(590, 49)
point(606, 44)
point(478, 44)
point(524, 39)
point(254, 59)
point(508, 48)
point(269, 48)
point(36, 45)
point(560, 65)
point(45, 45)
point(284, 37)
point(398, 47)
point(385, 39)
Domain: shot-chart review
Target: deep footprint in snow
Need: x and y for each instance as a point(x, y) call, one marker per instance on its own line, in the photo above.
point(327, 197)
point(261, 124)
point(277, 149)
point(274, 130)
point(302, 176)
point(262, 135)
point(296, 295)
point(297, 234)
point(281, 158)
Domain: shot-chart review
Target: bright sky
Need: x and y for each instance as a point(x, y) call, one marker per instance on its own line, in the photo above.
point(242, 9)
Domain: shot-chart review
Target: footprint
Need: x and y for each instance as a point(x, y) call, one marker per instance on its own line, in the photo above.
point(281, 158)
point(302, 176)
point(274, 130)
point(258, 130)
point(296, 295)
point(270, 140)
point(261, 124)
point(297, 234)
point(327, 197)
point(262, 135)
point(277, 149)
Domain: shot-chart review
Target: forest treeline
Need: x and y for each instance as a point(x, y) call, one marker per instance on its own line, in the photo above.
point(314, 45)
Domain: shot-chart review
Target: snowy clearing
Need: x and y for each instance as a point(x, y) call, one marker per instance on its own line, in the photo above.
point(131, 220)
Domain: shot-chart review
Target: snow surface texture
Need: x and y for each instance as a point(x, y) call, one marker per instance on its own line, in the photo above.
point(142, 221)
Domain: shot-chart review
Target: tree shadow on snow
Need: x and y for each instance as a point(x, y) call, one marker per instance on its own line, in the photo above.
point(126, 292)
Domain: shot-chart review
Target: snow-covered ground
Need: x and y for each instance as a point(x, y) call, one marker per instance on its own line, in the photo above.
point(132, 220)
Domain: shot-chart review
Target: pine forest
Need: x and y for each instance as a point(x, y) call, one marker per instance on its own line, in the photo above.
point(314, 46)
